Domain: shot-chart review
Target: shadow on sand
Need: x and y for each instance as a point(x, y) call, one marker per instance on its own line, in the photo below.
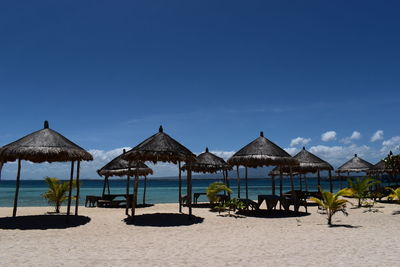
point(396, 212)
point(345, 226)
point(123, 207)
point(42, 222)
point(202, 205)
point(163, 220)
point(272, 213)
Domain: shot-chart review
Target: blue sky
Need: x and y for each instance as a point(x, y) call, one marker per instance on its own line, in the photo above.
point(214, 73)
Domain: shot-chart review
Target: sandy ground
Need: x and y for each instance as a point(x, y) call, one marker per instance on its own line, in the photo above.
point(364, 238)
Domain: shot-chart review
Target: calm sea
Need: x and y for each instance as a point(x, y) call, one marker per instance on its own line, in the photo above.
point(158, 190)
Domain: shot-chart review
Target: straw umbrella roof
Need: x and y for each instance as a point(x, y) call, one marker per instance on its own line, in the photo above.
point(208, 162)
point(121, 167)
point(381, 167)
point(160, 147)
point(308, 163)
point(43, 145)
point(261, 152)
point(356, 164)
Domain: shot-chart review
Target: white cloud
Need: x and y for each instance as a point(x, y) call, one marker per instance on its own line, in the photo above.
point(223, 154)
point(300, 141)
point(354, 136)
point(378, 135)
point(391, 144)
point(337, 155)
point(291, 150)
point(328, 136)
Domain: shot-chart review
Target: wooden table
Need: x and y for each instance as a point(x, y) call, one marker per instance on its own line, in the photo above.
point(196, 197)
point(270, 200)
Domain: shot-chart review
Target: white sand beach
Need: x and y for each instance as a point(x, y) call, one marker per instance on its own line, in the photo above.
point(364, 238)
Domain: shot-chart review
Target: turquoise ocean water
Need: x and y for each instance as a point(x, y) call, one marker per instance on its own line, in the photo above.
point(158, 190)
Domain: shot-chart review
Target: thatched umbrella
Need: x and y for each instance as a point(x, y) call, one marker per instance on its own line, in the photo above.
point(162, 147)
point(208, 162)
point(45, 145)
point(259, 153)
point(309, 163)
point(356, 164)
point(380, 168)
point(120, 167)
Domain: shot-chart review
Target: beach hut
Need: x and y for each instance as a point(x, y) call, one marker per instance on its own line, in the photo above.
point(308, 163)
point(208, 162)
point(259, 153)
point(355, 164)
point(162, 147)
point(45, 145)
point(120, 167)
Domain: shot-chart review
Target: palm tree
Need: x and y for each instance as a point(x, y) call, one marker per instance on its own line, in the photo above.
point(395, 193)
point(360, 188)
point(215, 188)
point(57, 192)
point(331, 203)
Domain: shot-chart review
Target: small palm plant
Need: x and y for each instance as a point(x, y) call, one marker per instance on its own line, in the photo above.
point(395, 193)
point(57, 192)
point(213, 190)
point(331, 203)
point(360, 188)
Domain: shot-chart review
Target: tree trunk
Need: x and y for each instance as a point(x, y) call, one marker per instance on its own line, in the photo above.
point(329, 218)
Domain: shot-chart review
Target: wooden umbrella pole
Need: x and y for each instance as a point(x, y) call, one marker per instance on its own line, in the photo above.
point(330, 182)
point(238, 181)
point(128, 178)
point(301, 183)
point(189, 189)
point(280, 186)
point(17, 188)
point(78, 169)
point(104, 186)
point(305, 181)
point(319, 178)
point(247, 187)
point(273, 184)
point(227, 182)
point(180, 187)
point(224, 179)
point(144, 190)
point(71, 178)
point(291, 178)
point(135, 190)
point(108, 185)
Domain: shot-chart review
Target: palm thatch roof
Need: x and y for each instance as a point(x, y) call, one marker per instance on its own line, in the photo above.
point(121, 167)
point(160, 147)
point(262, 152)
point(356, 164)
point(381, 166)
point(45, 145)
point(309, 163)
point(208, 162)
